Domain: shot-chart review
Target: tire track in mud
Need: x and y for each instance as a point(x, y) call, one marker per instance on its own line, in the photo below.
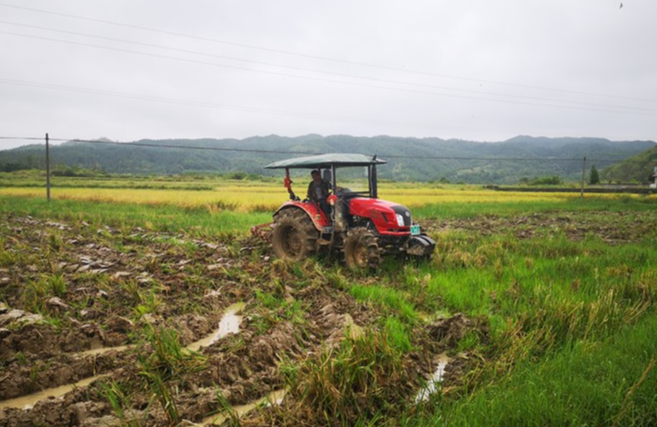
point(40, 344)
point(38, 355)
point(78, 362)
point(119, 283)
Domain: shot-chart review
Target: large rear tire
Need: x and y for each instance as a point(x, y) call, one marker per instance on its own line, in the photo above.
point(361, 250)
point(294, 237)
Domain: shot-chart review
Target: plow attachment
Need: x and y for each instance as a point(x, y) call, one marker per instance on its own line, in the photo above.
point(263, 231)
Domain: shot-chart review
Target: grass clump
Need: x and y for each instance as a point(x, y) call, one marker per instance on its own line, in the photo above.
point(36, 292)
point(398, 334)
point(361, 380)
point(119, 399)
point(163, 364)
point(167, 355)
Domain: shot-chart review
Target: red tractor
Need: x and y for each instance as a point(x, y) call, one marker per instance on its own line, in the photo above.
point(357, 223)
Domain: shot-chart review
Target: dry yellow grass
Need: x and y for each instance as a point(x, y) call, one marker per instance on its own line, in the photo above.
point(266, 197)
point(237, 198)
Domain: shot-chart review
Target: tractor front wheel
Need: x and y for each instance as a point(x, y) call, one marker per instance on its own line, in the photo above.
point(294, 237)
point(361, 250)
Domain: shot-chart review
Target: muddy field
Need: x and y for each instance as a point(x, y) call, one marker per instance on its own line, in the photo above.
point(612, 227)
point(144, 328)
point(103, 326)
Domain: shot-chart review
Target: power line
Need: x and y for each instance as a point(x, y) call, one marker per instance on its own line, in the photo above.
point(22, 138)
point(367, 78)
point(602, 108)
point(212, 105)
point(336, 60)
point(258, 151)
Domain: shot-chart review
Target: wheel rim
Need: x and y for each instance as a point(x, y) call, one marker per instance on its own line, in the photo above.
point(292, 242)
point(361, 256)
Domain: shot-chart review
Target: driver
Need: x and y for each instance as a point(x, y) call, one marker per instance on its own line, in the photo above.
point(318, 191)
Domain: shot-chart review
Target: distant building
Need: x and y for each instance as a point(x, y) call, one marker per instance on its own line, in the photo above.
point(654, 175)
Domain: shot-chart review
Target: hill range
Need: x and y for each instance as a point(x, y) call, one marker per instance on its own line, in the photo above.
point(409, 159)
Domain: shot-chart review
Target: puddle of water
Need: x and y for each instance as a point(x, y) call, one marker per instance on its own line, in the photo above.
point(436, 378)
point(27, 402)
point(273, 398)
point(229, 324)
point(101, 350)
point(96, 344)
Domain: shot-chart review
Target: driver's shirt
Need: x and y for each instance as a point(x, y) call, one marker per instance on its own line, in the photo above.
point(318, 192)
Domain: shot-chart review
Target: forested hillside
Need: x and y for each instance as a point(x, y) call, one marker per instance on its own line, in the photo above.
point(413, 159)
point(638, 168)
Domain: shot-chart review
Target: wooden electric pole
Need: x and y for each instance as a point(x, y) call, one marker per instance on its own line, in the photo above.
point(583, 174)
point(48, 168)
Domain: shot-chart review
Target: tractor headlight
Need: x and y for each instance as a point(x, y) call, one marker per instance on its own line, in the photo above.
point(400, 220)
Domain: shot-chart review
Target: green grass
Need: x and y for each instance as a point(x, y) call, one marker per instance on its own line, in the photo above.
point(588, 203)
point(398, 334)
point(387, 297)
point(571, 328)
point(570, 323)
point(593, 383)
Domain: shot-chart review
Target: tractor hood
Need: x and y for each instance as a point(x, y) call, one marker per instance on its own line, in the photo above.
point(388, 217)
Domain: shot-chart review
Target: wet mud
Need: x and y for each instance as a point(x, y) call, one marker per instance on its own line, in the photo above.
point(89, 308)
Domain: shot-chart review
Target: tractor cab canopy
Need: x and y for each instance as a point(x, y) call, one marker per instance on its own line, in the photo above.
point(332, 162)
point(323, 161)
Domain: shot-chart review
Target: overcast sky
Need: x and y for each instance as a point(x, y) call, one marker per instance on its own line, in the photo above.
point(472, 69)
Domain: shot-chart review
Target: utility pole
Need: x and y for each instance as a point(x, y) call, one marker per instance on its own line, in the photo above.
point(583, 174)
point(48, 167)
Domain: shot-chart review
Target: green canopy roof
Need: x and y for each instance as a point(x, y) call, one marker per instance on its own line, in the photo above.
point(326, 160)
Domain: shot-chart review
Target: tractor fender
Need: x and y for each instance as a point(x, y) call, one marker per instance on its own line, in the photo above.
point(316, 215)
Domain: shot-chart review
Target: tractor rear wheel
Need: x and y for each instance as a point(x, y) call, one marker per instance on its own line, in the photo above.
point(294, 237)
point(361, 250)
